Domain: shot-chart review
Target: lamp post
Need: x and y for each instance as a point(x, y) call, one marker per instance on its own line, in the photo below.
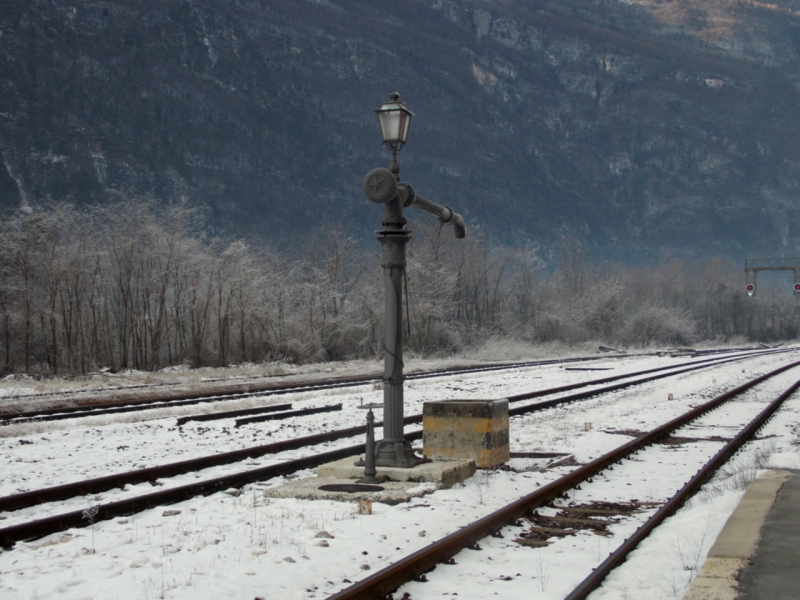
point(383, 186)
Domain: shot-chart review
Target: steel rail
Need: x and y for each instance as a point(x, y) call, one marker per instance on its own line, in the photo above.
point(42, 527)
point(721, 350)
point(414, 566)
point(617, 557)
point(105, 483)
point(289, 414)
point(108, 482)
point(95, 410)
point(245, 391)
point(89, 409)
point(229, 379)
point(232, 413)
point(572, 386)
point(519, 410)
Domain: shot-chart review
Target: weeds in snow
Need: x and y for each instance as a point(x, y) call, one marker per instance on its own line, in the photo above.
point(541, 570)
point(602, 548)
point(690, 553)
point(564, 429)
point(674, 584)
point(738, 473)
point(651, 493)
point(479, 487)
point(89, 514)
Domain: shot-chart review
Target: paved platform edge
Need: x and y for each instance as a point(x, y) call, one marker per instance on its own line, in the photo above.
point(718, 579)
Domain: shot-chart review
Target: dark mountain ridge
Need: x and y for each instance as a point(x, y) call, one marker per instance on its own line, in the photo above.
point(641, 128)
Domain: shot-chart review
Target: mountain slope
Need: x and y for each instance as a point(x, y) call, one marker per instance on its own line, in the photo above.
point(641, 128)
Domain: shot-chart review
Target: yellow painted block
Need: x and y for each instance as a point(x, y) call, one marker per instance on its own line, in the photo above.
point(466, 429)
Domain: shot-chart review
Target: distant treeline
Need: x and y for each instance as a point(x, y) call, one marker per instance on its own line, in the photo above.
point(134, 286)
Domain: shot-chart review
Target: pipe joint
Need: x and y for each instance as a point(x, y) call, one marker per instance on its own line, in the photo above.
point(407, 194)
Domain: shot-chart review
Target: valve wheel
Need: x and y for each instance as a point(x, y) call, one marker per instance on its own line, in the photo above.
point(380, 185)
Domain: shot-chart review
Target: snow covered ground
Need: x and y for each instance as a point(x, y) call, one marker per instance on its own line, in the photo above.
point(248, 546)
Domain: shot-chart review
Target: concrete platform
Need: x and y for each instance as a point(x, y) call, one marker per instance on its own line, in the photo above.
point(395, 492)
point(442, 473)
point(774, 569)
point(745, 536)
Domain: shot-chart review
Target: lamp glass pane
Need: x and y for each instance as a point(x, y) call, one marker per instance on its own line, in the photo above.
point(390, 125)
point(405, 121)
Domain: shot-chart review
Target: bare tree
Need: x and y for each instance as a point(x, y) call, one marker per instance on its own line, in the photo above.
point(138, 286)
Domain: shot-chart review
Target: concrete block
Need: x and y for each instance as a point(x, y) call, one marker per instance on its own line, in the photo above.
point(466, 429)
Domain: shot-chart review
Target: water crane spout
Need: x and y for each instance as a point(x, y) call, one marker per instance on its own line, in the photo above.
point(381, 187)
point(446, 214)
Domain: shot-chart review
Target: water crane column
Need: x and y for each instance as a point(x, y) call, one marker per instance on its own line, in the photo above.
point(383, 186)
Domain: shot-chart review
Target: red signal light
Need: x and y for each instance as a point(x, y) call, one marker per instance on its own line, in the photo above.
point(751, 287)
point(797, 287)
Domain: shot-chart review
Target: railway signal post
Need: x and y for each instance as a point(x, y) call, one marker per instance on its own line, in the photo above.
point(753, 265)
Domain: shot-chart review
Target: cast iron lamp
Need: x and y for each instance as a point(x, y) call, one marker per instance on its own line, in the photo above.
point(395, 119)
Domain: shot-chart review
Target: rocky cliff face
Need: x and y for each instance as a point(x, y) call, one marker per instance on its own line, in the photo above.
point(640, 127)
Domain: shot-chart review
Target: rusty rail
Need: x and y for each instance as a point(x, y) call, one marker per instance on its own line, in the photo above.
point(230, 414)
point(572, 386)
point(42, 527)
point(414, 566)
point(92, 407)
point(102, 484)
point(593, 581)
point(288, 415)
point(89, 408)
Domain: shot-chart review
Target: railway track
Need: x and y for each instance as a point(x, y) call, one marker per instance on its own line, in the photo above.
point(416, 566)
point(514, 398)
point(96, 409)
point(150, 386)
point(41, 527)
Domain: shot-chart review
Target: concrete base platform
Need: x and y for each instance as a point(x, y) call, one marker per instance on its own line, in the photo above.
point(443, 473)
point(308, 489)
